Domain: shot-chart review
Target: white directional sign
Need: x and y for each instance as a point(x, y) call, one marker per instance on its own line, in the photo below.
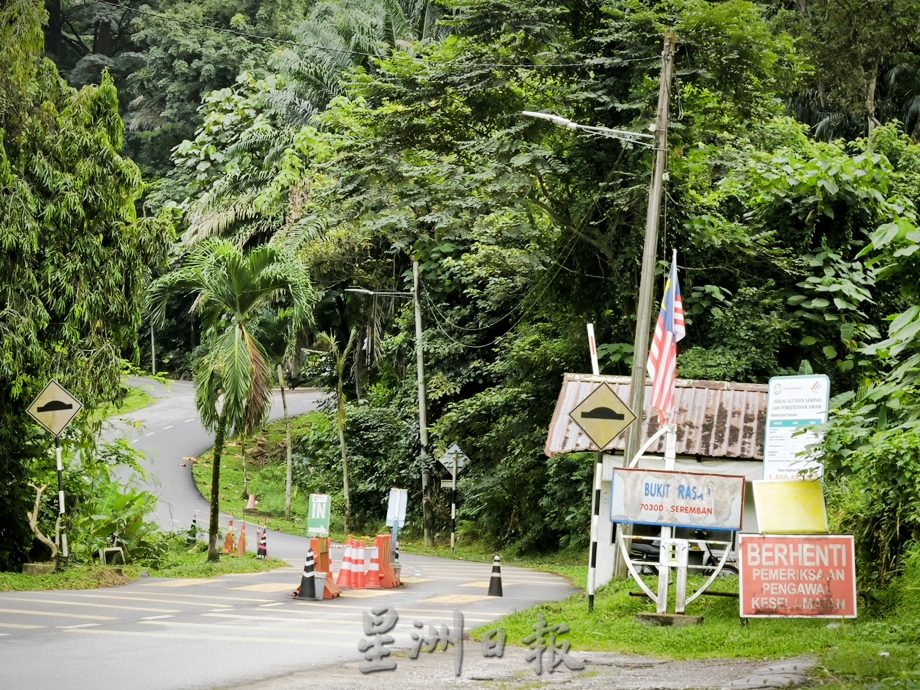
point(54, 408)
point(794, 403)
point(318, 512)
point(454, 454)
point(396, 507)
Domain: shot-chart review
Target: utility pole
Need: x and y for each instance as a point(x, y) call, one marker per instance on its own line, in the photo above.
point(290, 460)
point(153, 353)
point(422, 411)
point(644, 305)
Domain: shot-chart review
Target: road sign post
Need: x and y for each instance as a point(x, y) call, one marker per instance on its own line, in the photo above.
point(319, 510)
point(455, 461)
point(54, 408)
point(396, 515)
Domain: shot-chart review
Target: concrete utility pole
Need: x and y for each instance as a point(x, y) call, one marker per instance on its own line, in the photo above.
point(646, 282)
point(290, 460)
point(422, 410)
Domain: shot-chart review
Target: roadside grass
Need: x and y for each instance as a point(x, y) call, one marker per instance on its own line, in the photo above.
point(177, 562)
point(850, 653)
point(266, 482)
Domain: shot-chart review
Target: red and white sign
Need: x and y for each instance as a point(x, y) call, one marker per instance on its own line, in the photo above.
point(797, 576)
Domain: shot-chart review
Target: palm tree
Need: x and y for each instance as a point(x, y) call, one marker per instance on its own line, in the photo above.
point(232, 289)
point(328, 342)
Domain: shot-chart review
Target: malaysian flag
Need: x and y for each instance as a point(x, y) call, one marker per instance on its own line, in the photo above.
point(662, 356)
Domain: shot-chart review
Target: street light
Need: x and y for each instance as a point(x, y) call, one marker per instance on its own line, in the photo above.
point(640, 138)
point(422, 407)
point(644, 304)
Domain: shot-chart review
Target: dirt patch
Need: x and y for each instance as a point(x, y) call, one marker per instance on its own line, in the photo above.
point(514, 671)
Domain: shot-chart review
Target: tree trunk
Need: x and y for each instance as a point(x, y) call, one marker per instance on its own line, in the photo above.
point(871, 121)
point(340, 418)
point(54, 30)
point(245, 475)
point(213, 551)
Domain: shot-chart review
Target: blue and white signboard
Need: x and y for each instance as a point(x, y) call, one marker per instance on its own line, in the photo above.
point(677, 499)
point(795, 405)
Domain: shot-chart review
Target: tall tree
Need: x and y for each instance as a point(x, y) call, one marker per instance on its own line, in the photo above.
point(233, 379)
point(74, 255)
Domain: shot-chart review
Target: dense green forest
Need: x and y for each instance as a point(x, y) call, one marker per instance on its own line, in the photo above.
point(355, 136)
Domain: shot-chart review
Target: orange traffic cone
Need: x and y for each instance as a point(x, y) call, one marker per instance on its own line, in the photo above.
point(373, 568)
point(241, 545)
point(345, 578)
point(359, 566)
point(228, 541)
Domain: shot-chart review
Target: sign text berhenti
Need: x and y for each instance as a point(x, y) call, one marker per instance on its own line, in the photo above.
point(797, 576)
point(677, 499)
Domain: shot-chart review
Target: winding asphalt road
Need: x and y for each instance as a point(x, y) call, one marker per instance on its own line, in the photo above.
point(238, 629)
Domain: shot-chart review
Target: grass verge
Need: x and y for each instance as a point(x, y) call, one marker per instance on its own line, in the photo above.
point(175, 563)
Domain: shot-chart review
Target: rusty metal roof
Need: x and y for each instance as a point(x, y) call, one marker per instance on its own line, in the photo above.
point(715, 419)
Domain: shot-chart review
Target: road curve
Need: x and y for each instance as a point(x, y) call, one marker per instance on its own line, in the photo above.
point(170, 430)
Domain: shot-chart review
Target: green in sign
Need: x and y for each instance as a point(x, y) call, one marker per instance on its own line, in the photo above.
point(318, 511)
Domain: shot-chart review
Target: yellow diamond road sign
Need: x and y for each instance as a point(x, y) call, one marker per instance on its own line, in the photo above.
point(602, 415)
point(54, 408)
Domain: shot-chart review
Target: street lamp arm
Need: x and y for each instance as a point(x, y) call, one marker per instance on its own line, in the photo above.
point(382, 293)
point(640, 138)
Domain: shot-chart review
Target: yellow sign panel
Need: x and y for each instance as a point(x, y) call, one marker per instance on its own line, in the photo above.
point(54, 408)
point(790, 507)
point(602, 415)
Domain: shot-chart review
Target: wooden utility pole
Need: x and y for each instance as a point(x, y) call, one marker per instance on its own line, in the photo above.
point(422, 410)
point(646, 282)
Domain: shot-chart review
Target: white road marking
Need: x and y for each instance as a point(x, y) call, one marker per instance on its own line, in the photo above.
point(28, 612)
point(151, 433)
point(21, 626)
point(167, 427)
point(184, 596)
point(58, 602)
point(135, 440)
point(307, 640)
point(277, 603)
point(154, 618)
point(80, 625)
point(189, 420)
point(144, 597)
